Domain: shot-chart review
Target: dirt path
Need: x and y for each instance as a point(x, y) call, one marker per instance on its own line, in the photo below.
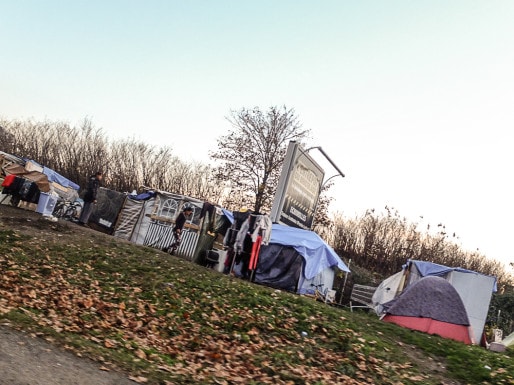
point(26, 360)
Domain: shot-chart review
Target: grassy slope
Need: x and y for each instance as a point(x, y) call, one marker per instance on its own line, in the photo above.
point(167, 321)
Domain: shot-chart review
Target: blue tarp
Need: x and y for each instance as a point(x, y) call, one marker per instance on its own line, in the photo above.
point(229, 215)
point(54, 176)
point(434, 269)
point(143, 196)
point(58, 178)
point(317, 254)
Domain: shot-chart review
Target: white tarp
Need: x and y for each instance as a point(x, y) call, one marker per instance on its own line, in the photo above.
point(387, 291)
point(325, 278)
point(475, 290)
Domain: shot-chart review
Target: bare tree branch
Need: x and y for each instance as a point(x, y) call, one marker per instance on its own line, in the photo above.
point(252, 153)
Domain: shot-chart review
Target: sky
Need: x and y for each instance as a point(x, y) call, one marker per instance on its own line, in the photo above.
point(412, 100)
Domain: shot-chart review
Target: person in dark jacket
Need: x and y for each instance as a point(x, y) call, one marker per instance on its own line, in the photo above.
point(177, 229)
point(93, 185)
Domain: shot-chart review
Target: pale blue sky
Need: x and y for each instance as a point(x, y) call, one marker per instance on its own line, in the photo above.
point(412, 99)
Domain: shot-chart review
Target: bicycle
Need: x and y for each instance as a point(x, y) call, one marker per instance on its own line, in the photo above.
point(67, 210)
point(327, 296)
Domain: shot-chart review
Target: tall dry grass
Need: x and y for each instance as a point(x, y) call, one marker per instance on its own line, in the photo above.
point(383, 242)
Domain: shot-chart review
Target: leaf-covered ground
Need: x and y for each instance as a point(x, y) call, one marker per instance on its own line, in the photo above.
point(168, 321)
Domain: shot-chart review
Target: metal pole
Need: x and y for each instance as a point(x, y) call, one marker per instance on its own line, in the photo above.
point(331, 162)
point(344, 282)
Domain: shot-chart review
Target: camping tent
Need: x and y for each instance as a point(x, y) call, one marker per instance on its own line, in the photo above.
point(475, 289)
point(431, 305)
point(509, 340)
point(296, 259)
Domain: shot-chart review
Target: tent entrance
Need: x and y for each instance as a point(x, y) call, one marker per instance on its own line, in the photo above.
point(279, 267)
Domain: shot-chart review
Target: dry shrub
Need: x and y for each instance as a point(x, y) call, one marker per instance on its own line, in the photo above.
point(383, 242)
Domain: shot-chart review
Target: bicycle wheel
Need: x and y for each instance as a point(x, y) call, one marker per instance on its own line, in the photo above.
point(58, 211)
point(70, 213)
point(15, 200)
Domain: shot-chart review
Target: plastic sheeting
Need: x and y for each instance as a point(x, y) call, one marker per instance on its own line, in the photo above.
point(279, 267)
point(40, 179)
point(317, 253)
point(58, 178)
point(106, 211)
point(433, 269)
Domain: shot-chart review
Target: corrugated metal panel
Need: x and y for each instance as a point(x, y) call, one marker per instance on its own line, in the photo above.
point(160, 236)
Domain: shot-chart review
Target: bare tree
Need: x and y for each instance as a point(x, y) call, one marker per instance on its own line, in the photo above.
point(6, 138)
point(322, 219)
point(252, 153)
point(77, 152)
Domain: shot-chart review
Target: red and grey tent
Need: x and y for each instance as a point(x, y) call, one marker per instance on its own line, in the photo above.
point(431, 305)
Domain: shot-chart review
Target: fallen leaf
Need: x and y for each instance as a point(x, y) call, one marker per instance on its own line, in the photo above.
point(140, 354)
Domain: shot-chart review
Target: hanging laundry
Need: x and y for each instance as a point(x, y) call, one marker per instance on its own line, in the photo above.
point(262, 228)
point(209, 208)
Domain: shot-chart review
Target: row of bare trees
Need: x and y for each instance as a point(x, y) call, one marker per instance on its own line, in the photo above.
point(77, 152)
point(383, 242)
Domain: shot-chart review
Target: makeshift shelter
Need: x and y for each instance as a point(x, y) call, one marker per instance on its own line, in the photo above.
point(431, 305)
point(474, 289)
point(148, 219)
point(39, 180)
point(296, 260)
point(106, 211)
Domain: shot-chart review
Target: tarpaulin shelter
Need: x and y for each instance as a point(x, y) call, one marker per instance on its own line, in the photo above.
point(431, 305)
point(474, 289)
point(297, 259)
point(59, 184)
point(47, 180)
point(35, 176)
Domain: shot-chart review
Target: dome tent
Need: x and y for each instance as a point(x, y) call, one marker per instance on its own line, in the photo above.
point(431, 305)
point(475, 289)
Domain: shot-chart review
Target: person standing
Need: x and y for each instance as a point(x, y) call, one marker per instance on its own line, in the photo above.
point(93, 185)
point(177, 229)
